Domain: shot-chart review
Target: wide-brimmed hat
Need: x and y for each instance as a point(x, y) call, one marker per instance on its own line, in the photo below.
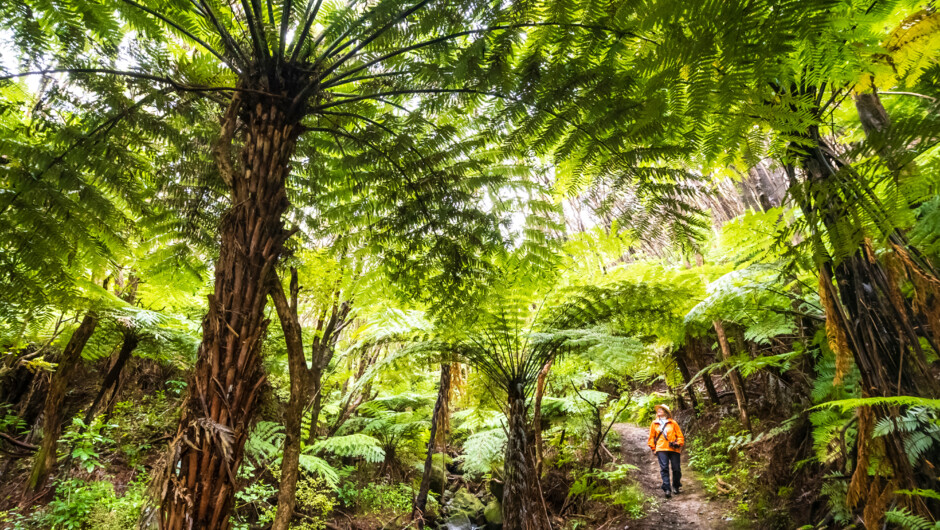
point(664, 407)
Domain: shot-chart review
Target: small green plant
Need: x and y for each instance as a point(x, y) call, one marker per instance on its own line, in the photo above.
point(10, 421)
point(314, 504)
point(254, 499)
point(632, 499)
point(724, 467)
point(85, 442)
point(176, 387)
point(375, 498)
point(81, 504)
point(613, 486)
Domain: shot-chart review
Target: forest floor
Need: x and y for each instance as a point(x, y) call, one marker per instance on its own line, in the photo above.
point(691, 509)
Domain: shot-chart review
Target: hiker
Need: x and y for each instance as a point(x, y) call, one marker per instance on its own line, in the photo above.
point(666, 442)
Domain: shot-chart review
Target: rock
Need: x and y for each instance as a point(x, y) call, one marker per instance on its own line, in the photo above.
point(465, 503)
point(458, 522)
point(438, 472)
point(493, 514)
point(496, 488)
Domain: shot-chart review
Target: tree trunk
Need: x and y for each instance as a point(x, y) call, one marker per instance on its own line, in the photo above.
point(297, 367)
point(45, 458)
point(224, 389)
point(871, 113)
point(537, 415)
point(697, 346)
point(736, 383)
point(686, 375)
point(443, 394)
point(866, 317)
point(520, 491)
point(443, 414)
point(316, 378)
point(131, 340)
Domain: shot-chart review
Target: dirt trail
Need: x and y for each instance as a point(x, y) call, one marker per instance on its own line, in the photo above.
point(691, 509)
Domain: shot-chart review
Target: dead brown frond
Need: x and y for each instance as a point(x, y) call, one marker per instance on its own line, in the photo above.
point(835, 332)
point(877, 503)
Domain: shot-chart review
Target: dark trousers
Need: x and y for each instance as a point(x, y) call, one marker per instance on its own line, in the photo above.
point(667, 458)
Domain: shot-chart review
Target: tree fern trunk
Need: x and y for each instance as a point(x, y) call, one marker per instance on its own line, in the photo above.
point(520, 492)
point(697, 355)
point(45, 458)
point(110, 382)
point(737, 384)
point(224, 389)
point(686, 375)
point(867, 320)
point(443, 393)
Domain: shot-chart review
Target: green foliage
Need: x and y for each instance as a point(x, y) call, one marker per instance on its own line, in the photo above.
point(352, 445)
point(718, 458)
point(314, 503)
point(87, 505)
point(614, 486)
point(85, 441)
point(483, 452)
point(376, 498)
point(908, 521)
point(918, 426)
point(900, 401)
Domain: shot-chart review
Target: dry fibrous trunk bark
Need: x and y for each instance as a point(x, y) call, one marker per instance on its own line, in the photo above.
point(516, 509)
point(522, 499)
point(443, 394)
point(45, 458)
point(737, 384)
point(867, 320)
point(223, 393)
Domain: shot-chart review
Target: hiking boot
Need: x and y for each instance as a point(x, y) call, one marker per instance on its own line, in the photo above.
point(668, 495)
point(677, 491)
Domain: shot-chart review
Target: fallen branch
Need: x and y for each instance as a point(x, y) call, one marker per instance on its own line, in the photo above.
point(22, 445)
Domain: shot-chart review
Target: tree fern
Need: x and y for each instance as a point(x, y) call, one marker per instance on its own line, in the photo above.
point(908, 521)
point(351, 445)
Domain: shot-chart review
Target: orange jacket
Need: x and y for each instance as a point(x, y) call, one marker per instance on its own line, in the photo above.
point(672, 433)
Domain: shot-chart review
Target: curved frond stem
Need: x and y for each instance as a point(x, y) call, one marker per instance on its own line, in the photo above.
point(913, 94)
point(444, 38)
point(364, 77)
point(285, 21)
point(257, 35)
point(224, 33)
point(579, 127)
point(378, 33)
point(383, 154)
point(309, 18)
point(182, 87)
point(179, 28)
point(418, 156)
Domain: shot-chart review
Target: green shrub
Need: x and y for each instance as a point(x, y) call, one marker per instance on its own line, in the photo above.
point(632, 499)
point(314, 504)
point(374, 498)
point(80, 505)
point(717, 457)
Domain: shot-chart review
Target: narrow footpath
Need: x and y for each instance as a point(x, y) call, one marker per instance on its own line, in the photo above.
point(692, 509)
